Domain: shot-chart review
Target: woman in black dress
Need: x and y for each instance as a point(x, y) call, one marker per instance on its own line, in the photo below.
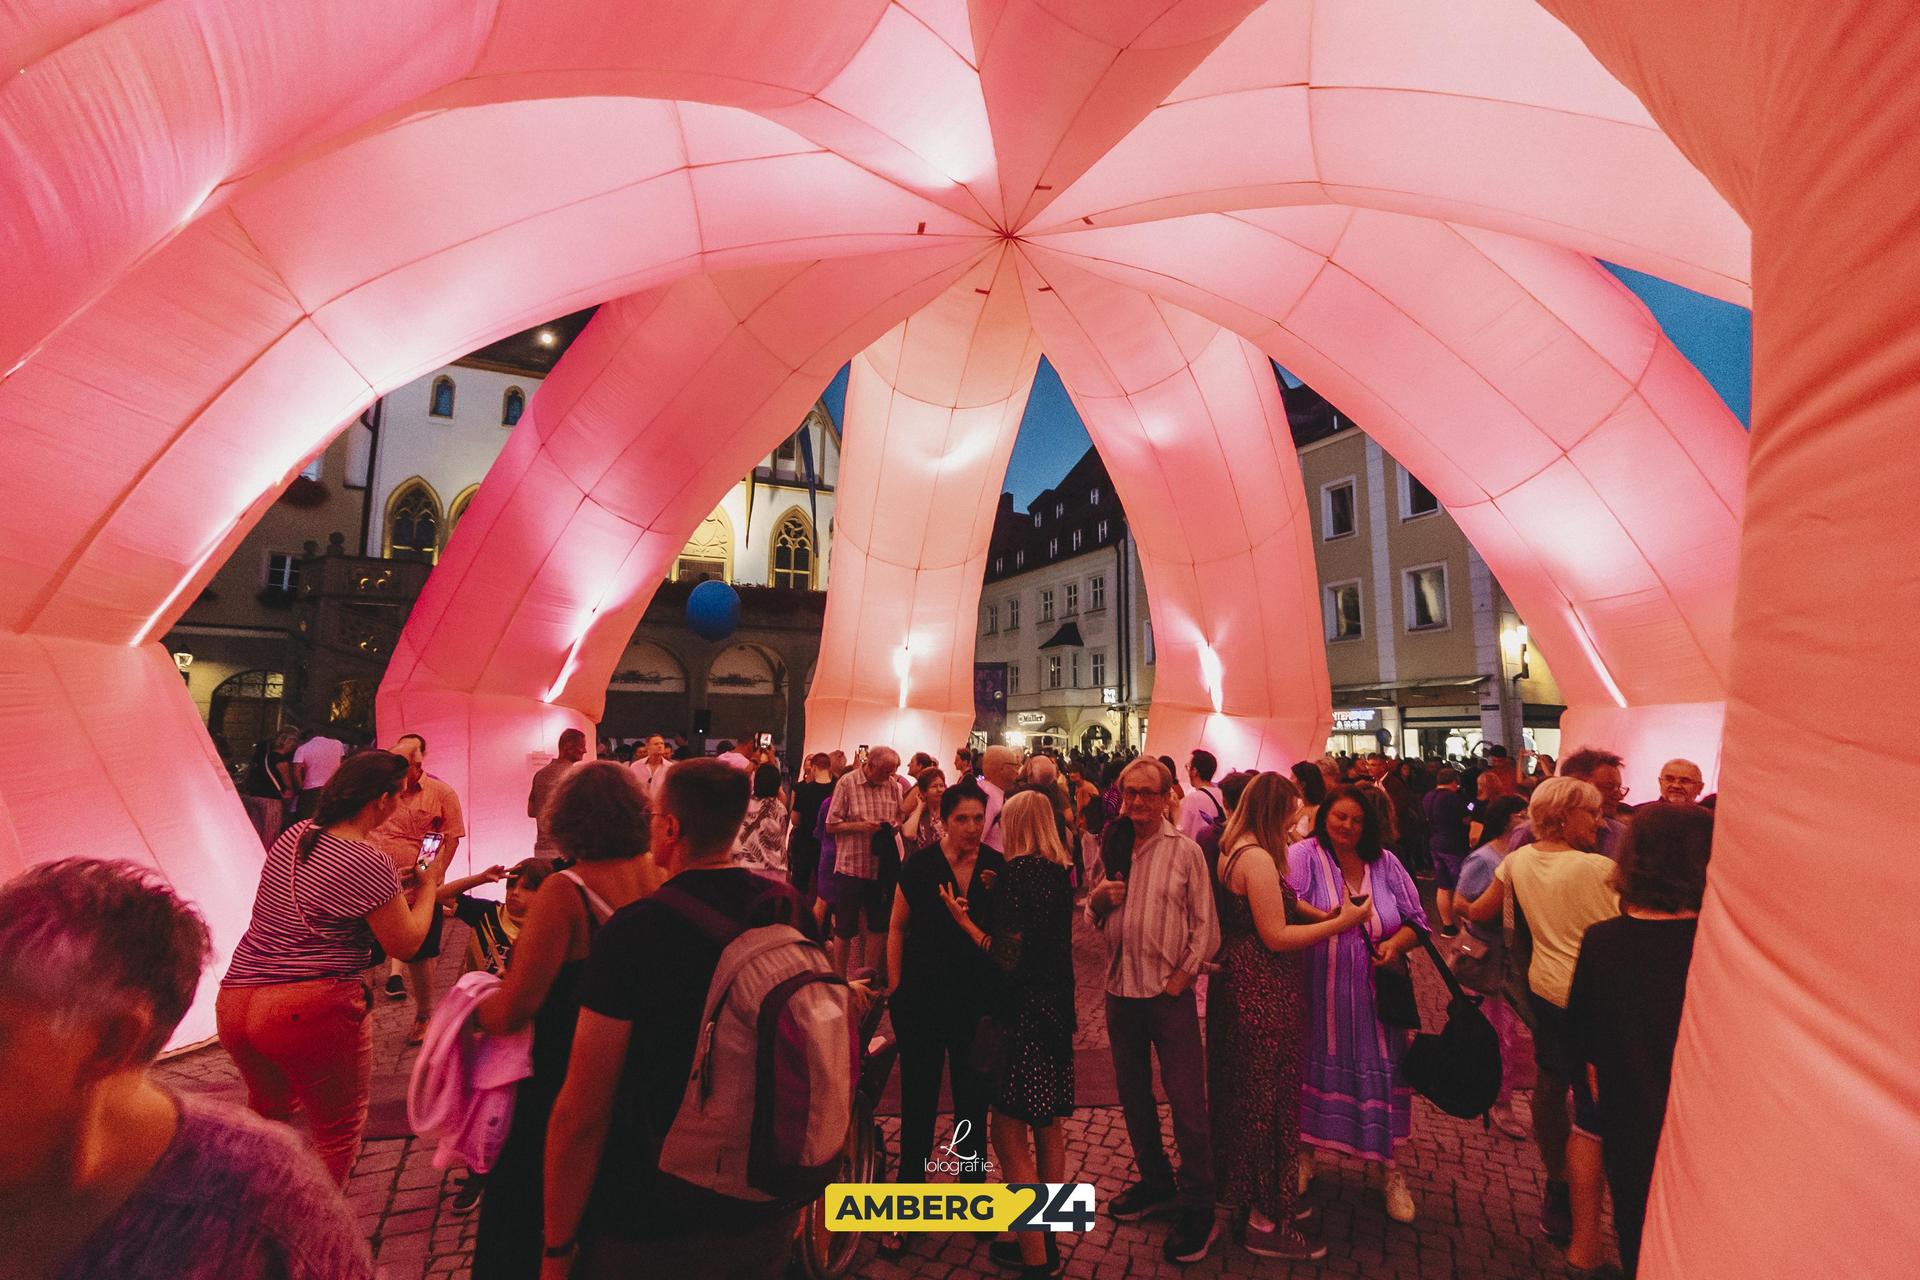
point(1032, 947)
point(1256, 1020)
point(1629, 985)
point(814, 789)
point(598, 817)
point(942, 984)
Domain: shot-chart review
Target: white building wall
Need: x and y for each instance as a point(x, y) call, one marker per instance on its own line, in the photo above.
point(454, 454)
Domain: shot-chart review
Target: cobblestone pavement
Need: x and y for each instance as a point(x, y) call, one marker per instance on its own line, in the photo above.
point(1478, 1192)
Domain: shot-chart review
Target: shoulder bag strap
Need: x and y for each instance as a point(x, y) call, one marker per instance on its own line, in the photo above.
point(597, 907)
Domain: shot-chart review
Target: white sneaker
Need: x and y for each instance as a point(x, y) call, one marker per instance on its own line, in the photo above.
point(1399, 1199)
point(1303, 1170)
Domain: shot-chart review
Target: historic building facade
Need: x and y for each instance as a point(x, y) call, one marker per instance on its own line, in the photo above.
point(298, 624)
point(1064, 653)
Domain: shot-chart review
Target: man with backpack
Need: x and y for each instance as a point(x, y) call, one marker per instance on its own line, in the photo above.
point(1203, 808)
point(659, 1159)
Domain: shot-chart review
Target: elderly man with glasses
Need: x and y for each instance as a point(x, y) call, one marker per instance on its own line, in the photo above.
point(1155, 910)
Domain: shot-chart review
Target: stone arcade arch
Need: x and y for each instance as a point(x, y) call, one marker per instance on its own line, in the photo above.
point(944, 248)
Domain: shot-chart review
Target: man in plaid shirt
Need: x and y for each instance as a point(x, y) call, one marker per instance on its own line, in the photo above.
point(866, 798)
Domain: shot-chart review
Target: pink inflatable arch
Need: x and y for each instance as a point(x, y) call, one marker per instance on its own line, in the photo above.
point(229, 226)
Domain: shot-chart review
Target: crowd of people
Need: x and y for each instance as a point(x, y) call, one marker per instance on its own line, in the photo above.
point(952, 893)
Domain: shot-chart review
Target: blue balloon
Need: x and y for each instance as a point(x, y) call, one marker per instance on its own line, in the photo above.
point(713, 610)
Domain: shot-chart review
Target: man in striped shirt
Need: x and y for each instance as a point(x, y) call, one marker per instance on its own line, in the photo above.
point(865, 800)
point(1155, 910)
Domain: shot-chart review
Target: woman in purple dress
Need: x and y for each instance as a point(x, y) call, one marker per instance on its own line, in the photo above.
point(1352, 1101)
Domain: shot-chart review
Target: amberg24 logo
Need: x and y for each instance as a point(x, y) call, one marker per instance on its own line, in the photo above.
point(950, 1206)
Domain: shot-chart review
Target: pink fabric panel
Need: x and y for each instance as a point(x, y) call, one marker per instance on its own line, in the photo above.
point(932, 411)
point(1189, 421)
point(83, 726)
point(1793, 1129)
point(1065, 81)
point(1486, 113)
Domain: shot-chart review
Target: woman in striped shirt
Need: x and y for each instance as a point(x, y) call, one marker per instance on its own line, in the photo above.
point(292, 1010)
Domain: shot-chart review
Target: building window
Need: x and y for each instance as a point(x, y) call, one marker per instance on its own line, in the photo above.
point(1336, 510)
point(1053, 671)
point(1013, 613)
point(786, 458)
point(440, 403)
point(1343, 611)
point(283, 571)
point(315, 470)
point(1053, 548)
point(1013, 677)
point(1073, 669)
point(413, 523)
point(1099, 664)
point(1059, 509)
point(461, 501)
point(1096, 594)
point(1046, 606)
point(1093, 499)
point(512, 405)
point(1019, 559)
point(999, 564)
point(1426, 591)
point(1076, 539)
point(708, 553)
point(1073, 598)
point(1036, 519)
point(793, 553)
point(993, 619)
point(1416, 499)
point(1100, 534)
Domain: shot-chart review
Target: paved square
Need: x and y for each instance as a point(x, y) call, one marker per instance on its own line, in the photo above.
point(1478, 1192)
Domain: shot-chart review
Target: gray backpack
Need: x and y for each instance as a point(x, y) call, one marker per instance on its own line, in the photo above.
point(767, 1106)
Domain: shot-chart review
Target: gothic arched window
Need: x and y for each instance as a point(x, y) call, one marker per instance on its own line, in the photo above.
point(440, 404)
point(413, 523)
point(512, 405)
point(792, 558)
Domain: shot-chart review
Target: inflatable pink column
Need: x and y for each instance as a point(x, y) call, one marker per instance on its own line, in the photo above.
point(1591, 465)
point(1792, 1139)
point(663, 403)
point(932, 412)
point(1188, 419)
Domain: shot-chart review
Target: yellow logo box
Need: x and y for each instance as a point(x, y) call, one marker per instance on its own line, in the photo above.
point(960, 1206)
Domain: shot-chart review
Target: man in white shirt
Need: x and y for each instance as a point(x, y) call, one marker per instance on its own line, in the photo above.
point(727, 755)
point(315, 762)
point(999, 770)
point(1203, 805)
point(651, 768)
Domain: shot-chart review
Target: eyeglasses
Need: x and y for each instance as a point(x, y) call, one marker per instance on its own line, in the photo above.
point(1140, 793)
point(1675, 779)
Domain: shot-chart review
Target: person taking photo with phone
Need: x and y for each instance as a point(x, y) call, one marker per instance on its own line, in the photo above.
point(293, 1007)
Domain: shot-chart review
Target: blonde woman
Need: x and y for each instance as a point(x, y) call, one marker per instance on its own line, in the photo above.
point(1256, 1020)
point(1561, 888)
point(1032, 947)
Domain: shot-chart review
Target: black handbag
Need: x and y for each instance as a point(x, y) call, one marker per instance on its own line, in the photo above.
point(1393, 1000)
point(1457, 1069)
